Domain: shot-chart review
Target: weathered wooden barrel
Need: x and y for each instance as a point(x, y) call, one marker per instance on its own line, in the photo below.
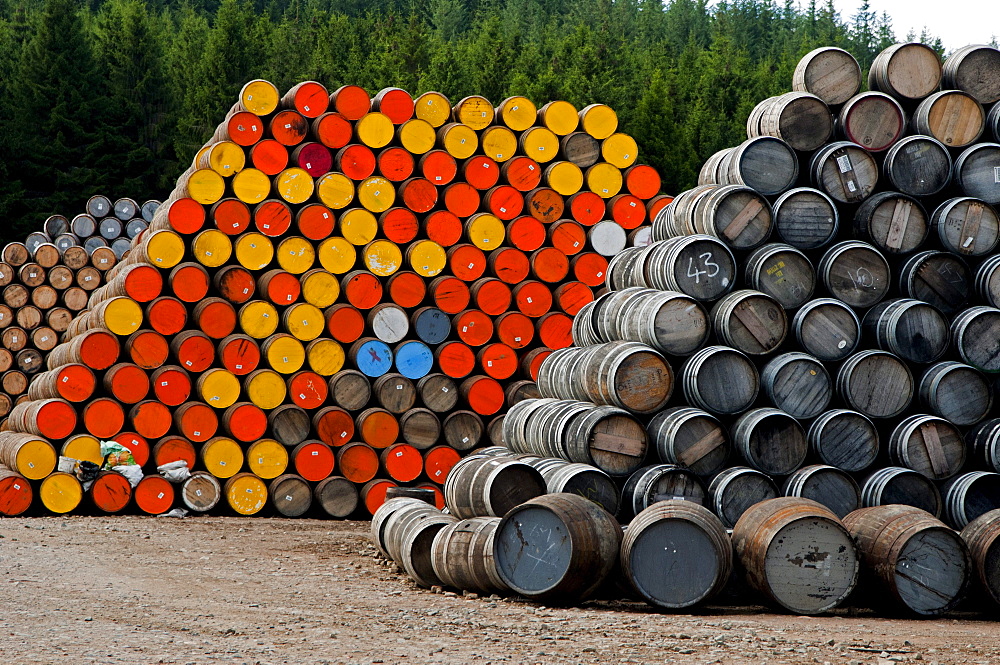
point(682, 537)
point(827, 329)
point(290, 495)
point(993, 122)
point(898, 485)
point(584, 480)
point(557, 548)
point(956, 392)
point(983, 443)
point(975, 174)
point(415, 548)
point(939, 279)
point(918, 165)
point(845, 171)
point(660, 482)
point(797, 554)
point(201, 492)
point(736, 489)
point(906, 71)
point(668, 321)
point(720, 380)
point(691, 438)
point(798, 384)
point(462, 430)
point(698, 265)
point(952, 117)
point(827, 486)
point(800, 119)
point(844, 439)
point(973, 69)
point(805, 218)
point(970, 495)
point(967, 226)
point(873, 120)
point(929, 445)
point(781, 272)
point(975, 334)
point(770, 441)
point(736, 214)
point(350, 389)
point(875, 383)
point(911, 560)
point(481, 487)
point(337, 496)
point(910, 329)
point(855, 273)
point(750, 321)
point(766, 164)
point(980, 536)
point(389, 511)
point(893, 222)
point(830, 73)
point(462, 556)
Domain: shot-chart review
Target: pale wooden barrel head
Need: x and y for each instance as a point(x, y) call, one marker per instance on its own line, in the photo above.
point(832, 74)
point(906, 71)
point(952, 117)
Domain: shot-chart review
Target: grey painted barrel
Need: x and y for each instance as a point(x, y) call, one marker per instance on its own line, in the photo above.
point(683, 538)
point(975, 334)
point(699, 265)
point(55, 225)
point(798, 384)
point(110, 228)
point(125, 209)
point(720, 380)
point(844, 171)
point(844, 439)
point(940, 279)
point(894, 223)
point(489, 487)
point(691, 438)
point(462, 556)
point(119, 246)
point(855, 272)
point(770, 441)
point(982, 536)
point(64, 241)
point(827, 486)
point(736, 489)
point(827, 329)
point(135, 226)
point(557, 548)
point(971, 495)
point(660, 482)
point(975, 172)
point(34, 240)
point(876, 383)
point(781, 272)
point(918, 166)
point(805, 218)
point(99, 206)
point(910, 329)
point(149, 209)
point(967, 226)
point(897, 485)
point(956, 392)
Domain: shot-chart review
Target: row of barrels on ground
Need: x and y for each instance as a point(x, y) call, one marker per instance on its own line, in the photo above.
point(794, 554)
point(104, 225)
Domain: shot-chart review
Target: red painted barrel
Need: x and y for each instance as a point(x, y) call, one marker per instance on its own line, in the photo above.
point(418, 194)
point(351, 101)
point(186, 215)
point(629, 211)
point(358, 462)
point(314, 221)
point(143, 283)
point(656, 204)
point(97, 349)
point(438, 462)
point(172, 449)
point(455, 359)
point(531, 362)
point(498, 360)
point(344, 323)
point(544, 204)
point(193, 350)
point(395, 103)
point(402, 462)
point(555, 330)
point(443, 227)
point(450, 294)
point(288, 127)
point(313, 158)
point(244, 128)
point(171, 385)
point(280, 287)
point(313, 460)
point(467, 262)
point(272, 217)
point(491, 295)
point(355, 161)
point(568, 237)
point(483, 394)
point(102, 417)
point(127, 383)
point(572, 296)
point(136, 444)
point(75, 382)
point(240, 354)
point(215, 317)
point(269, 157)
point(526, 233)
point(362, 289)
point(399, 225)
point(515, 329)
point(231, 216)
point(586, 207)
point(533, 298)
point(166, 315)
point(642, 181)
point(15, 494)
point(407, 289)
point(110, 492)
point(549, 264)
point(244, 421)
point(461, 199)
point(522, 173)
point(308, 389)
point(154, 495)
point(334, 426)
point(150, 419)
point(438, 167)
point(189, 282)
point(474, 327)
point(373, 494)
point(235, 283)
point(147, 348)
point(195, 421)
point(395, 164)
point(509, 265)
point(332, 130)
point(481, 172)
point(590, 268)
point(504, 202)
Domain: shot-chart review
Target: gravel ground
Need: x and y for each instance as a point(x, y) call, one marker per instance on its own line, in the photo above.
point(257, 590)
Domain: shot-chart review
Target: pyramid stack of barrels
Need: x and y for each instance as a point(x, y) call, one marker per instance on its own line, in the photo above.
point(47, 279)
point(343, 293)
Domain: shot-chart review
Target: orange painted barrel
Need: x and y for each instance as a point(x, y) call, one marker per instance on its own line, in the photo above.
point(629, 211)
point(173, 449)
point(309, 98)
point(313, 460)
point(150, 419)
point(481, 172)
point(193, 350)
point(74, 382)
point(239, 354)
point(110, 492)
point(355, 161)
point(450, 294)
point(461, 199)
point(526, 233)
point(395, 103)
point(269, 157)
point(515, 329)
point(288, 128)
point(531, 362)
point(399, 225)
point(244, 421)
point(533, 298)
point(308, 389)
point(351, 101)
point(195, 421)
point(443, 227)
point(358, 462)
point(418, 194)
point(642, 181)
point(587, 208)
point(231, 216)
point(244, 128)
point(333, 425)
point(215, 317)
point(154, 495)
point(509, 265)
point(272, 217)
point(344, 323)
point(127, 383)
point(406, 289)
point(572, 296)
point(549, 264)
point(332, 130)
point(491, 295)
point(522, 173)
point(362, 289)
point(372, 494)
point(378, 427)
point(166, 315)
point(474, 327)
point(568, 237)
point(544, 204)
point(455, 359)
point(235, 283)
point(147, 348)
point(15, 493)
point(136, 444)
point(467, 262)
point(402, 462)
point(438, 462)
point(141, 283)
point(555, 330)
point(279, 287)
point(395, 164)
point(504, 202)
point(590, 268)
point(171, 385)
point(189, 281)
point(185, 215)
point(103, 417)
point(483, 394)
point(438, 167)
point(497, 360)
point(656, 204)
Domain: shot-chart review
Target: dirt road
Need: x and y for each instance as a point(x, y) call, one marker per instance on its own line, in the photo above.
point(237, 590)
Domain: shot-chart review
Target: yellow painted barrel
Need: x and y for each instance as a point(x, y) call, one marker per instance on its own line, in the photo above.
point(375, 130)
point(475, 111)
point(296, 255)
point(599, 120)
point(560, 117)
point(251, 186)
point(222, 457)
point(358, 226)
point(266, 388)
point(254, 251)
point(335, 190)
point(540, 144)
point(121, 315)
point(258, 318)
point(620, 150)
point(206, 186)
point(202, 151)
point(211, 248)
point(219, 388)
point(284, 354)
point(427, 258)
point(83, 447)
point(246, 493)
point(165, 249)
point(35, 458)
point(485, 231)
point(382, 257)
point(325, 356)
point(460, 141)
point(60, 493)
point(432, 107)
point(294, 185)
point(304, 321)
point(267, 458)
point(260, 97)
point(518, 113)
point(337, 255)
point(499, 143)
point(319, 288)
point(564, 177)
point(416, 136)
point(604, 179)
point(376, 194)
point(225, 158)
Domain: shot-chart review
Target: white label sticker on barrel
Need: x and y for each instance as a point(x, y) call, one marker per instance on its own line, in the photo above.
point(288, 497)
point(249, 490)
point(844, 162)
point(309, 165)
point(31, 465)
point(288, 126)
point(437, 177)
point(32, 274)
point(197, 433)
point(260, 460)
point(438, 472)
point(315, 453)
point(17, 486)
point(160, 495)
point(164, 383)
point(222, 462)
point(996, 174)
point(489, 363)
point(841, 344)
point(444, 390)
point(305, 108)
point(850, 186)
point(462, 141)
point(302, 396)
point(15, 338)
point(198, 492)
point(517, 339)
point(188, 363)
point(465, 439)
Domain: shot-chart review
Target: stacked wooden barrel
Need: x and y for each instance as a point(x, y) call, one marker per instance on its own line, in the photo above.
point(343, 293)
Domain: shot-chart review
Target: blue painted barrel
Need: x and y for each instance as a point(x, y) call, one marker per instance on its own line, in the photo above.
point(431, 325)
point(371, 356)
point(414, 359)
